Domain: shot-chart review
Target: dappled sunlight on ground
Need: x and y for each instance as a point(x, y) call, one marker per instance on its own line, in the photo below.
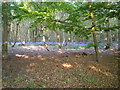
point(33, 47)
point(40, 57)
point(70, 68)
point(101, 51)
point(99, 70)
point(60, 51)
point(32, 64)
point(29, 70)
point(78, 56)
point(23, 56)
point(26, 47)
point(67, 65)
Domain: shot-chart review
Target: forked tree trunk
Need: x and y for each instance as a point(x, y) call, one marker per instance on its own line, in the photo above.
point(94, 33)
point(5, 31)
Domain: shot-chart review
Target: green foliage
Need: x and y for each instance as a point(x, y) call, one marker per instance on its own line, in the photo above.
point(52, 44)
point(12, 81)
point(77, 19)
point(82, 75)
point(90, 80)
point(31, 84)
point(71, 47)
point(19, 79)
point(92, 45)
point(35, 45)
point(67, 80)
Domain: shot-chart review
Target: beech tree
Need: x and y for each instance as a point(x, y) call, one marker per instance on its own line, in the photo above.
point(73, 18)
point(5, 31)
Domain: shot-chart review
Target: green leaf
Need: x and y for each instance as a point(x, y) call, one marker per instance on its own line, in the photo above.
point(90, 79)
point(82, 75)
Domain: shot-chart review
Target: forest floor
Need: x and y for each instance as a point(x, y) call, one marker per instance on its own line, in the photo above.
point(35, 67)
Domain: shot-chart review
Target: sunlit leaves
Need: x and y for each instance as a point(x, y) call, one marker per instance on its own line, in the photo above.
point(68, 16)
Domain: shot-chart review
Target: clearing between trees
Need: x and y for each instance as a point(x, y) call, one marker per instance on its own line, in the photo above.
point(35, 67)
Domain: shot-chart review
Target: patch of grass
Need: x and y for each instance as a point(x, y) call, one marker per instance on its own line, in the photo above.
point(41, 45)
point(19, 79)
point(31, 84)
point(3, 78)
point(82, 75)
point(8, 82)
point(74, 47)
point(116, 49)
point(82, 46)
point(35, 45)
point(90, 80)
point(52, 44)
point(68, 80)
point(92, 45)
point(42, 82)
point(11, 81)
point(31, 80)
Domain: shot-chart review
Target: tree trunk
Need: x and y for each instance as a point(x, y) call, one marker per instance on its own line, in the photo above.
point(107, 36)
point(5, 31)
point(58, 39)
point(35, 36)
point(64, 39)
point(16, 34)
point(44, 40)
point(119, 34)
point(43, 37)
point(107, 40)
point(94, 33)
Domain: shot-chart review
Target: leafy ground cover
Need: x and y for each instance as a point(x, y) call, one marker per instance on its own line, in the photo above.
point(35, 67)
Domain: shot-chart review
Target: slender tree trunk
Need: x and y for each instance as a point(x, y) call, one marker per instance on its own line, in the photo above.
point(44, 40)
point(64, 39)
point(107, 36)
point(43, 37)
point(94, 33)
point(107, 40)
point(5, 31)
point(119, 35)
point(35, 36)
point(111, 38)
point(58, 39)
point(16, 34)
